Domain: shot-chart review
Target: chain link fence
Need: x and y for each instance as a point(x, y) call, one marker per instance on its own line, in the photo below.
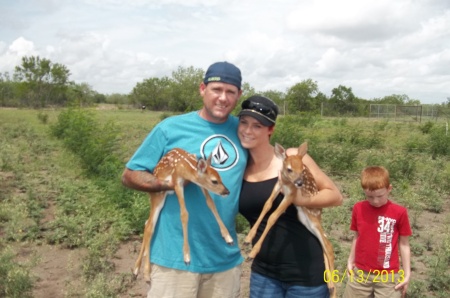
point(406, 113)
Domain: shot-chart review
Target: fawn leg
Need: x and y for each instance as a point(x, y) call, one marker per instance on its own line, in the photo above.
point(328, 270)
point(329, 264)
point(179, 190)
point(145, 239)
point(251, 234)
point(315, 227)
point(223, 230)
point(285, 203)
point(157, 203)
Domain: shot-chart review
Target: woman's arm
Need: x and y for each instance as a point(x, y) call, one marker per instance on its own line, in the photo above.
point(329, 195)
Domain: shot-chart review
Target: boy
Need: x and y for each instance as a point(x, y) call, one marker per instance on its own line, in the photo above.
point(381, 230)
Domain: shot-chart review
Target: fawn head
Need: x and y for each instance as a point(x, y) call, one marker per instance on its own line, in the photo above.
point(209, 178)
point(293, 170)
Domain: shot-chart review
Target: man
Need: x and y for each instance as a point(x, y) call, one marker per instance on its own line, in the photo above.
point(215, 267)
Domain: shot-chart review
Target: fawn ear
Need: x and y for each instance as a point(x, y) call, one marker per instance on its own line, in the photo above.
point(279, 151)
point(202, 165)
point(209, 159)
point(302, 149)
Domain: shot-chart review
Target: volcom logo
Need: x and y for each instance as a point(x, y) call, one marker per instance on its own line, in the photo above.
point(224, 152)
point(219, 154)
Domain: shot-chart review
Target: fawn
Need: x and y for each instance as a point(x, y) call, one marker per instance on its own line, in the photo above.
point(295, 175)
point(179, 166)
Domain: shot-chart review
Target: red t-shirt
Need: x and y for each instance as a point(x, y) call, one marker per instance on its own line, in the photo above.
point(378, 232)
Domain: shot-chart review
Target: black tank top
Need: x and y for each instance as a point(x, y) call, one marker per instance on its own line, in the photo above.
point(290, 253)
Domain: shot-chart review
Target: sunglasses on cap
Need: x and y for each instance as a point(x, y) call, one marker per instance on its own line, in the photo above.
point(260, 108)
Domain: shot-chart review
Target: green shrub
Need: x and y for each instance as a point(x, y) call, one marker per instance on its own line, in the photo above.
point(288, 132)
point(338, 159)
point(415, 144)
point(432, 199)
point(439, 142)
point(417, 248)
point(426, 127)
point(416, 289)
point(95, 144)
point(381, 125)
point(439, 277)
point(43, 117)
point(401, 167)
point(15, 278)
point(242, 225)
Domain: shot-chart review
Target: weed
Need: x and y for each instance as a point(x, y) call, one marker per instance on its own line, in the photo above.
point(401, 167)
point(242, 225)
point(43, 117)
point(416, 289)
point(15, 278)
point(288, 132)
point(426, 127)
point(439, 142)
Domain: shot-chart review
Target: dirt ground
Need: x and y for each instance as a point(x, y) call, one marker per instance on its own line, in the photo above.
point(57, 267)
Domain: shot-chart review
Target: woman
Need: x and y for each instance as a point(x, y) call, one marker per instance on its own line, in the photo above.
point(290, 263)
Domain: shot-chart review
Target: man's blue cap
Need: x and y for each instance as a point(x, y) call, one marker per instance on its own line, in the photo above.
point(223, 72)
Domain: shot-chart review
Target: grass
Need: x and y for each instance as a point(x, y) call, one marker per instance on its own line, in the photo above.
point(48, 196)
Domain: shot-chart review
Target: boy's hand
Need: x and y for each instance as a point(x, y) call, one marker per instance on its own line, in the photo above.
point(350, 267)
point(403, 286)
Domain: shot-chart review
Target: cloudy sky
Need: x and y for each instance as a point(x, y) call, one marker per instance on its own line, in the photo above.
point(377, 48)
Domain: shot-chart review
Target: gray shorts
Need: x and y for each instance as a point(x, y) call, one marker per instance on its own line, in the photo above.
point(172, 283)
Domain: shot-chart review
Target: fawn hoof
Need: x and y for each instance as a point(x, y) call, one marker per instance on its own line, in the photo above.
point(134, 275)
point(187, 260)
point(135, 272)
point(229, 240)
point(332, 292)
point(247, 241)
point(148, 281)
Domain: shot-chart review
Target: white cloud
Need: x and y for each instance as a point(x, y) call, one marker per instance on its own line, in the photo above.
point(377, 48)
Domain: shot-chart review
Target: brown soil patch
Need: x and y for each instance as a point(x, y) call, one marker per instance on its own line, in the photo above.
point(58, 269)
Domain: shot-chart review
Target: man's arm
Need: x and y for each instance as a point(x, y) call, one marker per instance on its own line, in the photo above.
point(144, 181)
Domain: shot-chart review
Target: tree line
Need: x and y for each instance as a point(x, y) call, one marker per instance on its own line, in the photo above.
point(39, 83)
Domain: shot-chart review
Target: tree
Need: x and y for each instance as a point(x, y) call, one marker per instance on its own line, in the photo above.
point(114, 98)
point(185, 84)
point(344, 101)
point(7, 90)
point(82, 93)
point(42, 82)
point(302, 97)
point(394, 99)
point(154, 93)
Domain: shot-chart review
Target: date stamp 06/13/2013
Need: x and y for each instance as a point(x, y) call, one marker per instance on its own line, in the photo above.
point(360, 276)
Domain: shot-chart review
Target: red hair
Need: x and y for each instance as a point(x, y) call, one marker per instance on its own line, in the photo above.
point(375, 177)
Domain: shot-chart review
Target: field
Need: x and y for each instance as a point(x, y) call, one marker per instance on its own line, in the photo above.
point(69, 229)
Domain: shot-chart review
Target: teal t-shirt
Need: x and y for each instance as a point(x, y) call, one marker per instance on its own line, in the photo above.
point(209, 251)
